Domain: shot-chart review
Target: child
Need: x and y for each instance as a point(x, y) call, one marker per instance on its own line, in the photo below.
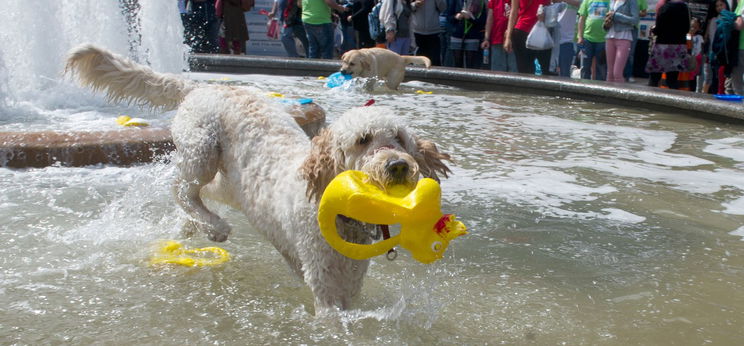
point(696, 51)
point(498, 18)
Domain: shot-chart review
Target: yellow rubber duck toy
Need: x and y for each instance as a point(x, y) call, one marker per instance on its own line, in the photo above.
point(424, 230)
point(172, 252)
point(125, 120)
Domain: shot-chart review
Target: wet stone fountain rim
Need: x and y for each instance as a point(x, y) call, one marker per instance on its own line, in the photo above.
point(140, 145)
point(633, 95)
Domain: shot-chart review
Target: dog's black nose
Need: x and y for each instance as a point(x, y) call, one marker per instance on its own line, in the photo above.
point(397, 169)
point(344, 72)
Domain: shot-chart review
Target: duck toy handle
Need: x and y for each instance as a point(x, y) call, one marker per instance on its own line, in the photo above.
point(424, 230)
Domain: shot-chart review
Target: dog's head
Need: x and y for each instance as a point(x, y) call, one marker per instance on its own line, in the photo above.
point(372, 140)
point(356, 63)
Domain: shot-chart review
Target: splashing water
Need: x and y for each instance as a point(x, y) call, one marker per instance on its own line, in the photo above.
point(36, 36)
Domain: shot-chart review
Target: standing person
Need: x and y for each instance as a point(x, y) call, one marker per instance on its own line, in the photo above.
point(289, 13)
point(498, 19)
point(522, 18)
point(697, 52)
point(737, 73)
point(722, 53)
point(316, 18)
point(591, 38)
point(358, 17)
point(468, 18)
point(567, 47)
point(396, 15)
point(628, 72)
point(426, 28)
point(206, 26)
point(624, 16)
point(669, 52)
point(185, 10)
point(236, 31)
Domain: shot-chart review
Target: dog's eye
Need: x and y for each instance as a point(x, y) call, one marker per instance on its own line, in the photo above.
point(364, 140)
point(400, 139)
point(351, 64)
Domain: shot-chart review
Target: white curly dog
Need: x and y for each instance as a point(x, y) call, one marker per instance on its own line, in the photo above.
point(237, 147)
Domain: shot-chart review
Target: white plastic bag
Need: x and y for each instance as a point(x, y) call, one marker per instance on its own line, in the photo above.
point(539, 37)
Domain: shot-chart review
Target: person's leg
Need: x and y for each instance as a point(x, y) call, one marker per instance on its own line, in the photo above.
point(525, 59)
point(622, 55)
point(300, 34)
point(737, 75)
point(400, 45)
point(498, 58)
point(672, 79)
point(611, 50)
point(543, 57)
point(628, 70)
point(587, 54)
point(429, 47)
point(654, 78)
point(349, 38)
point(326, 41)
point(313, 31)
point(600, 72)
point(566, 55)
point(288, 42)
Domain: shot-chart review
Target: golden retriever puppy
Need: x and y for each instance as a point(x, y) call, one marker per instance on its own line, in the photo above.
point(381, 63)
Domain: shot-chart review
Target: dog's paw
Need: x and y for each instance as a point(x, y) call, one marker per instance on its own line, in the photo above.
point(219, 231)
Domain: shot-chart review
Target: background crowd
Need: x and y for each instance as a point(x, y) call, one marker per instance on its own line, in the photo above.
point(693, 45)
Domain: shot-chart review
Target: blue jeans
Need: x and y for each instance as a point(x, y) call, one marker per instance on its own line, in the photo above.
point(591, 50)
point(319, 40)
point(566, 54)
point(288, 35)
point(628, 72)
point(401, 45)
point(501, 60)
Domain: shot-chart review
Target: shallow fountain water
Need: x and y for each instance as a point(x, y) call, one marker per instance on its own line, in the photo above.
point(589, 224)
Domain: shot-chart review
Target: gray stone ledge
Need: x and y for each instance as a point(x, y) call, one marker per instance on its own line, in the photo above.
point(634, 95)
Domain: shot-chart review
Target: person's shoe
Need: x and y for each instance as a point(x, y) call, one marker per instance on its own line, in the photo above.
point(631, 80)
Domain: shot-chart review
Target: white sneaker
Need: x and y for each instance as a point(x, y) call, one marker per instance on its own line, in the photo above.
point(631, 80)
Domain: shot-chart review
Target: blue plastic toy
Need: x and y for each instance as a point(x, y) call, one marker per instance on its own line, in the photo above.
point(730, 98)
point(337, 79)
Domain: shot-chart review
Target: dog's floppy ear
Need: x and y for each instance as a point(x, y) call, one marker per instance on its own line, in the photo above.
point(366, 61)
point(430, 159)
point(320, 166)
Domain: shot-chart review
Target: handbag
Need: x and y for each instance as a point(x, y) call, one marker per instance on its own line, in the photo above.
point(607, 24)
point(539, 37)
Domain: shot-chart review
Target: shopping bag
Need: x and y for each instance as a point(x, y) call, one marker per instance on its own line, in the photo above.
point(539, 37)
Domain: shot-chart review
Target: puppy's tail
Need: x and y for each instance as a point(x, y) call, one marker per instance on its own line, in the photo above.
point(417, 60)
point(123, 80)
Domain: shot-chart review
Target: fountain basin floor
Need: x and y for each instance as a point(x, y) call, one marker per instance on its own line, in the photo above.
point(590, 224)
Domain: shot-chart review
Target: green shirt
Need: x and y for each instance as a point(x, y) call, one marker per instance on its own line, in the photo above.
point(315, 12)
point(594, 11)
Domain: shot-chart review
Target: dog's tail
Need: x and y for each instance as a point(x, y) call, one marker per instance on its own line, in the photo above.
point(417, 60)
point(124, 80)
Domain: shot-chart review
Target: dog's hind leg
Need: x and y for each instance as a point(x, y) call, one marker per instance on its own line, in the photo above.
point(197, 166)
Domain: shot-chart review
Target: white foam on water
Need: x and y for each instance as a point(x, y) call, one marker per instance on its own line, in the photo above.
point(735, 207)
point(37, 35)
point(739, 232)
point(732, 147)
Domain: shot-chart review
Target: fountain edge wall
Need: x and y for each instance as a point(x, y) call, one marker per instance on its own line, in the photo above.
point(633, 95)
